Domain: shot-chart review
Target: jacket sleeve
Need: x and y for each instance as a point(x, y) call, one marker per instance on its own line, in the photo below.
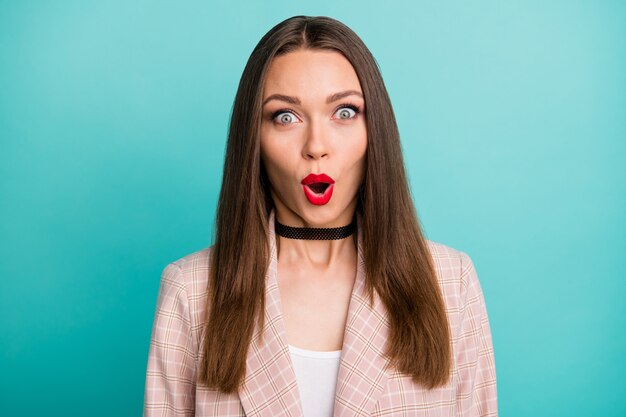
point(476, 388)
point(170, 375)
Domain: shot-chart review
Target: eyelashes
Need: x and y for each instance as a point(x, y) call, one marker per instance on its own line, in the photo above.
point(353, 107)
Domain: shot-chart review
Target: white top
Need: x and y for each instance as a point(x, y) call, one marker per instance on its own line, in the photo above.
point(316, 374)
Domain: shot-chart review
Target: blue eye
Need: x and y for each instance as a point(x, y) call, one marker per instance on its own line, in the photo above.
point(347, 111)
point(344, 113)
point(286, 117)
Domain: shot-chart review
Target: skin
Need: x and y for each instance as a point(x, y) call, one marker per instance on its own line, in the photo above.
point(315, 136)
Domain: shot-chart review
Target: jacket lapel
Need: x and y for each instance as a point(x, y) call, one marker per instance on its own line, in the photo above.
point(363, 371)
point(270, 387)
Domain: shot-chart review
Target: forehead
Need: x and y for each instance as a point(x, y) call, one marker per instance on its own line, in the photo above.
point(306, 72)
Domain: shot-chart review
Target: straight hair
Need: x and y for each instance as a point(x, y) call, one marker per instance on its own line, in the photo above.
point(398, 264)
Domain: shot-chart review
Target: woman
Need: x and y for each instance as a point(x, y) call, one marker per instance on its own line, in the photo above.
point(320, 296)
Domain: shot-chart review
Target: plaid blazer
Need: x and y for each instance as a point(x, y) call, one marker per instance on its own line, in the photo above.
point(366, 385)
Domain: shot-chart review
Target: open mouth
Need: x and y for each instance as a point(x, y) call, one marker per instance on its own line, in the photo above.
point(318, 187)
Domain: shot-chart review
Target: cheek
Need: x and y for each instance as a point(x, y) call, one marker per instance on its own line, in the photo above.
point(276, 162)
point(360, 167)
point(357, 150)
point(356, 140)
point(359, 161)
point(268, 154)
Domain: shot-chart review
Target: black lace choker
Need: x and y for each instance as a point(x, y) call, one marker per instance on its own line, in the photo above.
point(315, 233)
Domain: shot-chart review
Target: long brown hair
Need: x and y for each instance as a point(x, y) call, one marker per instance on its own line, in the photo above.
point(397, 259)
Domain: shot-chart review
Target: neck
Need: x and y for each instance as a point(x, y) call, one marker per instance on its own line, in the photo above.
point(318, 253)
point(314, 253)
point(315, 233)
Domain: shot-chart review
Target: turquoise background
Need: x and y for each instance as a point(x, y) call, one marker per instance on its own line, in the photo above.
point(113, 121)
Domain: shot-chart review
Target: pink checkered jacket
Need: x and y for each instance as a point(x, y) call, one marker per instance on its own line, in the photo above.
point(366, 386)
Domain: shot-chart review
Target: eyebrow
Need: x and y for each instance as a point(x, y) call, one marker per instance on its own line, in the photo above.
point(295, 100)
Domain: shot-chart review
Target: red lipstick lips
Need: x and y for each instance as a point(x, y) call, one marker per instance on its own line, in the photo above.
point(318, 188)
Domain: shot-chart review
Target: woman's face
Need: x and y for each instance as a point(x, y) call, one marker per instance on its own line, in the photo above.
point(313, 124)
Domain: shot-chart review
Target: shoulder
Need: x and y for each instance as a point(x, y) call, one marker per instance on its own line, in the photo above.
point(191, 262)
point(448, 261)
point(188, 278)
point(455, 273)
point(190, 272)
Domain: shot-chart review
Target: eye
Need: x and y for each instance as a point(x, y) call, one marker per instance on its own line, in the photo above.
point(283, 117)
point(347, 112)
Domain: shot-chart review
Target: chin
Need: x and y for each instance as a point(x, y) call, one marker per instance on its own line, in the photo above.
point(325, 216)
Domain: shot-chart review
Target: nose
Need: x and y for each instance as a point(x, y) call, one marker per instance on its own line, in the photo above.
point(316, 144)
